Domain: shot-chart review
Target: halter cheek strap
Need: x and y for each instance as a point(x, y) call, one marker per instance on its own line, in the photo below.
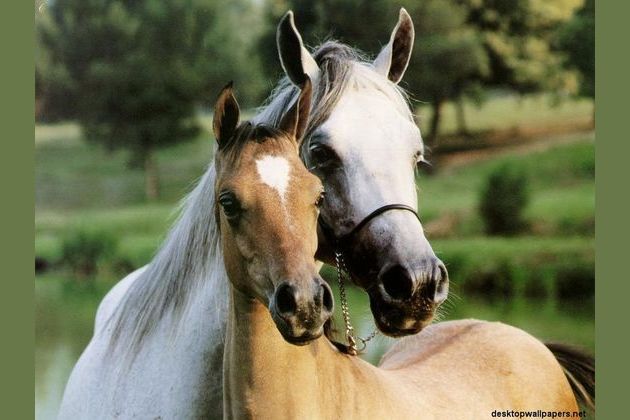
point(341, 242)
point(344, 240)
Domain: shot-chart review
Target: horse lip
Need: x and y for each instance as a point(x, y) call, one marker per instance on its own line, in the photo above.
point(304, 339)
point(383, 312)
point(386, 328)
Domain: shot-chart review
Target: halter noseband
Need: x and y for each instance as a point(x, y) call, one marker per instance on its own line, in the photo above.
point(342, 241)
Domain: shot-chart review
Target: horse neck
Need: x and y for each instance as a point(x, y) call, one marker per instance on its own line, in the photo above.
point(266, 377)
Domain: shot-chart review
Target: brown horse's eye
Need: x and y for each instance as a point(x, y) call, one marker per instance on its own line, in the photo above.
point(229, 203)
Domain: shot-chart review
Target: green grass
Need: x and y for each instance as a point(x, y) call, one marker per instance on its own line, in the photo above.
point(140, 229)
point(561, 185)
point(508, 111)
point(71, 174)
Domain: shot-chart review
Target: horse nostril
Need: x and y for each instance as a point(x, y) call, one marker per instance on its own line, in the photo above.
point(285, 299)
point(327, 298)
point(397, 283)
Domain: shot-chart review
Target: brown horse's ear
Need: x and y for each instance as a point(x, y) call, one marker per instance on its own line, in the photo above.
point(393, 59)
point(295, 121)
point(226, 116)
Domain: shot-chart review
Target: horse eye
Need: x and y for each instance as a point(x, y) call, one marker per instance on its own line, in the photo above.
point(229, 203)
point(321, 154)
point(320, 199)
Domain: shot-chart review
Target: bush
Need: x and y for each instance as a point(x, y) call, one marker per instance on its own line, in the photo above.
point(492, 280)
point(576, 281)
point(83, 250)
point(503, 201)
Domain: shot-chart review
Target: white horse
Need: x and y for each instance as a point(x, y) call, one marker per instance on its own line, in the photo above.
point(158, 340)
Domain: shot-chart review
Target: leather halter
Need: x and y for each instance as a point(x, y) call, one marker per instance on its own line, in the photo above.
point(343, 241)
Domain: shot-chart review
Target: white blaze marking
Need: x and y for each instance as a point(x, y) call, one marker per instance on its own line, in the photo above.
point(274, 171)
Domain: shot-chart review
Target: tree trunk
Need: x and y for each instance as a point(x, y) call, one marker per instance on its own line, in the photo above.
point(151, 178)
point(435, 123)
point(460, 111)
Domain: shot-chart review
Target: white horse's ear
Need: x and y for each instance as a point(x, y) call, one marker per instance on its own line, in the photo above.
point(393, 59)
point(295, 121)
point(226, 116)
point(294, 57)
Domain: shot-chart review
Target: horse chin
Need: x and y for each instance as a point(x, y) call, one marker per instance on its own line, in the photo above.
point(302, 340)
point(290, 336)
point(399, 320)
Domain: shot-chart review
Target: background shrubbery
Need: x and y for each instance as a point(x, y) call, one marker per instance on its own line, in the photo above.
point(503, 201)
point(83, 250)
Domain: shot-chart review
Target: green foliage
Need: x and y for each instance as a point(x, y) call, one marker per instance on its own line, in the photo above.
point(520, 267)
point(576, 279)
point(318, 21)
point(518, 38)
point(577, 38)
point(447, 54)
point(448, 58)
point(133, 73)
point(503, 201)
point(82, 251)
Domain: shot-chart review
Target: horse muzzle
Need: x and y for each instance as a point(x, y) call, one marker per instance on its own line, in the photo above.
point(300, 311)
point(404, 301)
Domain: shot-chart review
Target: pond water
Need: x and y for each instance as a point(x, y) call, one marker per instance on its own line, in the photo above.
point(65, 316)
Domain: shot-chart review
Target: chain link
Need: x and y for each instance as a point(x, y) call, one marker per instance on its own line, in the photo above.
point(350, 335)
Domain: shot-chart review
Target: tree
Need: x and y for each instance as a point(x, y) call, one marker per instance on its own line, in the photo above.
point(448, 57)
point(321, 20)
point(518, 36)
point(577, 39)
point(447, 54)
point(133, 72)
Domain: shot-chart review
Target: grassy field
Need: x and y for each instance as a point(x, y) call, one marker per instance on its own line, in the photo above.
point(507, 111)
point(79, 186)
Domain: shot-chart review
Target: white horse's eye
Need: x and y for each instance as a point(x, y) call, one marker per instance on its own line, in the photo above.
point(321, 154)
point(320, 199)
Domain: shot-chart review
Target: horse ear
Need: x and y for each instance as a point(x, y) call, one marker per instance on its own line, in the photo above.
point(295, 121)
point(226, 116)
point(393, 59)
point(296, 61)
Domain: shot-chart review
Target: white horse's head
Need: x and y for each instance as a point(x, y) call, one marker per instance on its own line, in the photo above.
point(363, 144)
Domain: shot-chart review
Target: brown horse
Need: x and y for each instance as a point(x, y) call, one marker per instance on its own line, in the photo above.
point(278, 365)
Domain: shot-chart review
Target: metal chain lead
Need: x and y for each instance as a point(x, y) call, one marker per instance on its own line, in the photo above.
point(350, 336)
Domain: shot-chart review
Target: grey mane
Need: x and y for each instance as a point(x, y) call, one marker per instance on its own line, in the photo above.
point(190, 258)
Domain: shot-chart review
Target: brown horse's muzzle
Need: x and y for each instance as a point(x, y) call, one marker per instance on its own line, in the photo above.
point(300, 310)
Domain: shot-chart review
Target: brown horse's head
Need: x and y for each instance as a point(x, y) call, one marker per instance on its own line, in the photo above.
point(267, 204)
